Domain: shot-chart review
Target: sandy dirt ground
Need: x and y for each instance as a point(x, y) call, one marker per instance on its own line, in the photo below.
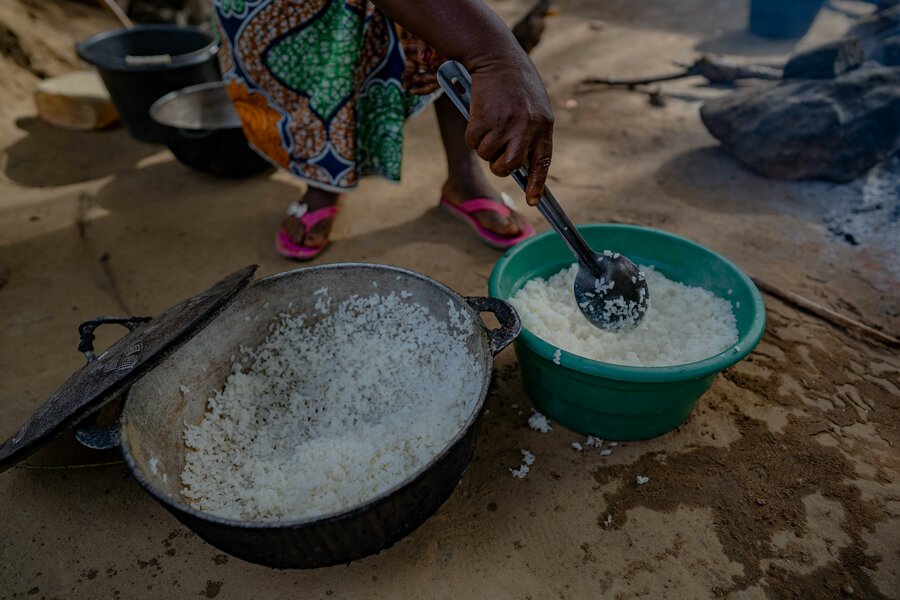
point(783, 483)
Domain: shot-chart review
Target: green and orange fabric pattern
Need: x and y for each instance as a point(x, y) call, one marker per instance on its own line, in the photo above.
point(317, 84)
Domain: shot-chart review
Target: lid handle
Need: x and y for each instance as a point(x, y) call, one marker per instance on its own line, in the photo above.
point(86, 331)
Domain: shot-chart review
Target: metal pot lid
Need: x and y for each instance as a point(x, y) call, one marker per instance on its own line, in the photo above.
point(107, 376)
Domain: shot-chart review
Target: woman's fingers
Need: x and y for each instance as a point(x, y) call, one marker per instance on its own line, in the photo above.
point(539, 158)
point(511, 123)
point(492, 146)
point(476, 131)
point(424, 89)
point(514, 156)
point(420, 84)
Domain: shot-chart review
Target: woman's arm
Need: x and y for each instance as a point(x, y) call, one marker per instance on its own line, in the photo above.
point(512, 121)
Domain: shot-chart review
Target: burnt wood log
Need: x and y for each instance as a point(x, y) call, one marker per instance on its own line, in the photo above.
point(834, 129)
point(826, 61)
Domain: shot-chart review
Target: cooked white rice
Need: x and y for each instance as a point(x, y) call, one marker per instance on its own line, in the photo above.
point(331, 411)
point(683, 324)
point(539, 422)
point(527, 461)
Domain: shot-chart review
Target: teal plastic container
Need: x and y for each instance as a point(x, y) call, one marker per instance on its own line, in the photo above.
point(617, 402)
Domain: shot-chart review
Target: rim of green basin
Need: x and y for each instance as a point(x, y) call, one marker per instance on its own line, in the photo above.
point(694, 370)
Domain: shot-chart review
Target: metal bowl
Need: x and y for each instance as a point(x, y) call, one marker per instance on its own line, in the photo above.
point(202, 129)
point(157, 410)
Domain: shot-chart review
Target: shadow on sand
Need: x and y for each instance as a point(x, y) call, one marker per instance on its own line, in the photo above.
point(49, 156)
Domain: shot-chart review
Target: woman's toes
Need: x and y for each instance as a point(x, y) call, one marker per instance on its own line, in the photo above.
point(505, 226)
point(317, 237)
point(294, 229)
point(314, 240)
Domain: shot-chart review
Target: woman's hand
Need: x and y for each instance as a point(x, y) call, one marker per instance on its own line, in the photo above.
point(420, 74)
point(512, 122)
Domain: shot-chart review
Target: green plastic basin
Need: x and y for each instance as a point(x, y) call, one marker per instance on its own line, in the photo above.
point(612, 401)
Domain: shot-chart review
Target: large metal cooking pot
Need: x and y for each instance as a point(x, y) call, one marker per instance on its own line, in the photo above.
point(157, 409)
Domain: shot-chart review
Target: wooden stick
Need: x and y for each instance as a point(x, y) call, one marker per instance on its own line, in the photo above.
point(823, 312)
point(630, 83)
point(116, 10)
point(64, 467)
point(715, 69)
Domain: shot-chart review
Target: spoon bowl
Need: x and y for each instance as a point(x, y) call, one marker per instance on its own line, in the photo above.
point(612, 293)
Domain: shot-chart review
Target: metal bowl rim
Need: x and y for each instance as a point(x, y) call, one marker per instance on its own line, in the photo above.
point(157, 105)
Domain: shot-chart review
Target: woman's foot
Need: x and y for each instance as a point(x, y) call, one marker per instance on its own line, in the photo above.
point(305, 229)
point(466, 182)
point(458, 191)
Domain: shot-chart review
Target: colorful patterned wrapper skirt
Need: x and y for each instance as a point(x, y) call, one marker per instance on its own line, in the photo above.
point(317, 85)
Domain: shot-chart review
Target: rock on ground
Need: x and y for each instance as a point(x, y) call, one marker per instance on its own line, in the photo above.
point(819, 129)
point(879, 34)
point(826, 61)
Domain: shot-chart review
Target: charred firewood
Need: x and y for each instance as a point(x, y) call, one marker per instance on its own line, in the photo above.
point(714, 69)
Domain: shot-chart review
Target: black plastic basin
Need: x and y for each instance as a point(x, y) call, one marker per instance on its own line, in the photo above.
point(202, 129)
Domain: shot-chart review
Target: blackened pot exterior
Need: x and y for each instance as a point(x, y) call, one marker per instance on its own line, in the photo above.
point(222, 152)
point(203, 130)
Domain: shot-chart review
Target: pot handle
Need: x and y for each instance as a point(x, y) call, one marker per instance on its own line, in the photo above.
point(86, 331)
point(510, 325)
point(98, 437)
point(91, 435)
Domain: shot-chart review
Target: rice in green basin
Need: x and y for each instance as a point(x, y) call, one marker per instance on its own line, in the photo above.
point(683, 324)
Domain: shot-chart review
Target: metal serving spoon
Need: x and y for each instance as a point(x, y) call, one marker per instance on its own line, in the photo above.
point(610, 289)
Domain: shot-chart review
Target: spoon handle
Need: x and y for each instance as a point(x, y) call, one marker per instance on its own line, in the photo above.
point(558, 219)
point(457, 85)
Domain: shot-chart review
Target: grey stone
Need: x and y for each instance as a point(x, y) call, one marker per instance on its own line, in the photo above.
point(834, 129)
point(826, 61)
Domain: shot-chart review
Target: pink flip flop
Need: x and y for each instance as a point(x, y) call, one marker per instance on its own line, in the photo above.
point(466, 211)
point(283, 243)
